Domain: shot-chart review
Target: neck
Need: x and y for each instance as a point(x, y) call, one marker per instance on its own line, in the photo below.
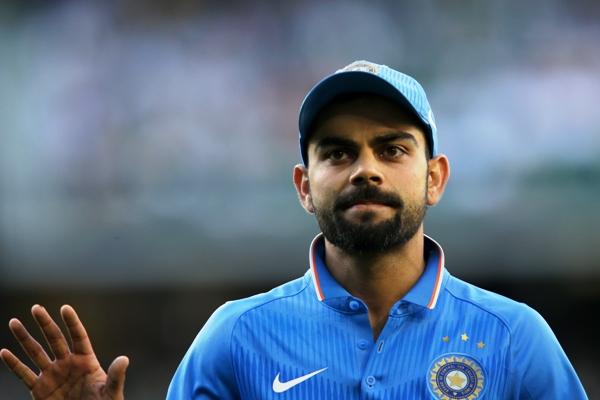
point(380, 280)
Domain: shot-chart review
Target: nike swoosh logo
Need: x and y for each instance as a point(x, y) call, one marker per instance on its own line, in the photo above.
point(280, 387)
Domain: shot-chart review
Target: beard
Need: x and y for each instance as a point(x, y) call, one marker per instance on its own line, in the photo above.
point(367, 237)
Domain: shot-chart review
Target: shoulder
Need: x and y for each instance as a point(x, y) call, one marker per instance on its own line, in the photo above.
point(223, 321)
point(514, 315)
point(536, 364)
point(216, 337)
point(232, 311)
point(208, 367)
point(528, 335)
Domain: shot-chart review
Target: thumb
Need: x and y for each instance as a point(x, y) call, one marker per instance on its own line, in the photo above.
point(115, 383)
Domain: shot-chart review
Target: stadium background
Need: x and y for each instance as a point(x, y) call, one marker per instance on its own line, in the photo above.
point(146, 152)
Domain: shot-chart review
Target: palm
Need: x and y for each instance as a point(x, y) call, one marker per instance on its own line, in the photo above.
point(76, 377)
point(75, 372)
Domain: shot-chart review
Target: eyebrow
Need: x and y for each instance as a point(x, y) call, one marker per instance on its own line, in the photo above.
point(390, 137)
point(329, 141)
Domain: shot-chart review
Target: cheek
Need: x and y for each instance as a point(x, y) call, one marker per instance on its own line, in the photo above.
point(323, 189)
point(412, 187)
point(320, 195)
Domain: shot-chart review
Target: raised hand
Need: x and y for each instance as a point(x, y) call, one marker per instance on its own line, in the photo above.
point(75, 372)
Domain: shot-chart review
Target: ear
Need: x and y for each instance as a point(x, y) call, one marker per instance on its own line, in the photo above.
point(437, 178)
point(300, 176)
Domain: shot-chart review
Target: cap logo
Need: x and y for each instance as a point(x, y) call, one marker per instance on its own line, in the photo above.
point(362, 66)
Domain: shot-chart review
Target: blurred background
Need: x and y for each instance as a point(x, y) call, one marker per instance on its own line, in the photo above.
point(146, 151)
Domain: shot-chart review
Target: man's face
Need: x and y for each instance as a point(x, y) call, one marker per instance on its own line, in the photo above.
point(367, 174)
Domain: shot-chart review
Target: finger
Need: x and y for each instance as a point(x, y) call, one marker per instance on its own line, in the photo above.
point(32, 348)
point(54, 336)
point(18, 368)
point(79, 337)
point(115, 384)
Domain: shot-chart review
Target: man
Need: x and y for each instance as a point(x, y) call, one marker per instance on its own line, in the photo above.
point(377, 315)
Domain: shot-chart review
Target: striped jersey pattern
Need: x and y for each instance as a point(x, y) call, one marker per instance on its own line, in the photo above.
point(311, 339)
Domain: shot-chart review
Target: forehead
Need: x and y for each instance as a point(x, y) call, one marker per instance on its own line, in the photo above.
point(363, 114)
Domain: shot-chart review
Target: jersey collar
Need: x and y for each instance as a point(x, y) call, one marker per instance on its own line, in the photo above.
point(424, 293)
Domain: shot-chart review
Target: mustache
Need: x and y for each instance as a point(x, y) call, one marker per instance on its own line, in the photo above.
point(367, 194)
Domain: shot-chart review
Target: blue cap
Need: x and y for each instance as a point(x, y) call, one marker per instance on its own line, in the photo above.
point(369, 78)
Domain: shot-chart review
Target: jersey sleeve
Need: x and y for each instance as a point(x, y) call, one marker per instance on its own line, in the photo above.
point(207, 371)
point(539, 367)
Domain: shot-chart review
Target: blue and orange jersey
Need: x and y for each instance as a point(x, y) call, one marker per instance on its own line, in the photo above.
point(311, 339)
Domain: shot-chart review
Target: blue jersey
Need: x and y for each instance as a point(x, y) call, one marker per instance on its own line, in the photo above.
point(311, 339)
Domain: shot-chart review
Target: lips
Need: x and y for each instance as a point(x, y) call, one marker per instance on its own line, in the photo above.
point(367, 206)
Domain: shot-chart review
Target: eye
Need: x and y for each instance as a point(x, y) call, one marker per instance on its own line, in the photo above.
point(337, 155)
point(392, 152)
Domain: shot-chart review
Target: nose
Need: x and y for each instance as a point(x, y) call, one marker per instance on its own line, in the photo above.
point(366, 171)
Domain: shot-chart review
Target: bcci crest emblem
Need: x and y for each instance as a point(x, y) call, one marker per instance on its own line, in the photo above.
point(456, 376)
